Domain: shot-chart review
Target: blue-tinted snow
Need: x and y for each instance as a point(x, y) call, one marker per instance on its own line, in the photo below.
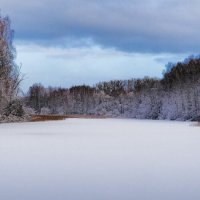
point(104, 159)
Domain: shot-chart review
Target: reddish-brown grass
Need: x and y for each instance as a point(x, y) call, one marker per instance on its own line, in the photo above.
point(38, 118)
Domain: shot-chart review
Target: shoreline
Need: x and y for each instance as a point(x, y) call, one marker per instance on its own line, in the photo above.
point(38, 118)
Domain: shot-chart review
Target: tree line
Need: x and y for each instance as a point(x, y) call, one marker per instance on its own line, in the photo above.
point(175, 97)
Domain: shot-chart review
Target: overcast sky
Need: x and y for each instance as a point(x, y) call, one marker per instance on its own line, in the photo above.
point(68, 42)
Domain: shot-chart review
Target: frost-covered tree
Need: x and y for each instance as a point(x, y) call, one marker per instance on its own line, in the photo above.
point(9, 71)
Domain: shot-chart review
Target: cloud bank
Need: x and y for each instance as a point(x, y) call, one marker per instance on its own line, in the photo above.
point(128, 25)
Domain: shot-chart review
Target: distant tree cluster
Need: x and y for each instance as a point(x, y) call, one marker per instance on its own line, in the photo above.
point(176, 96)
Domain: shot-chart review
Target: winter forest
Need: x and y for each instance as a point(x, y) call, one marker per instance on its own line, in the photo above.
point(174, 97)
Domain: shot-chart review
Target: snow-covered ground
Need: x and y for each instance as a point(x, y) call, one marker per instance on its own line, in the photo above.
point(100, 159)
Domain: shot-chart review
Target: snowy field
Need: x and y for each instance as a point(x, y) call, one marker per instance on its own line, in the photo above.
point(100, 159)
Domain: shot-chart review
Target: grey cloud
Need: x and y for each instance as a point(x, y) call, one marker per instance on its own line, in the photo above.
point(128, 25)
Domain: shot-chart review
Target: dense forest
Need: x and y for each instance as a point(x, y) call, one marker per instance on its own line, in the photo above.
point(175, 97)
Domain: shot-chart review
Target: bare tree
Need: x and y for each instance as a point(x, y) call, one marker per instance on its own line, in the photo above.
point(10, 77)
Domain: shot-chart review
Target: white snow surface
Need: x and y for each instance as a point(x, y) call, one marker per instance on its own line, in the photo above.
point(100, 159)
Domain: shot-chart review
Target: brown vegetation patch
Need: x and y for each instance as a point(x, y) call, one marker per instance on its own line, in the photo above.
point(196, 124)
point(38, 118)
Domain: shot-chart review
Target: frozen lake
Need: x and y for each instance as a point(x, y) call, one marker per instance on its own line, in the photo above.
point(100, 159)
